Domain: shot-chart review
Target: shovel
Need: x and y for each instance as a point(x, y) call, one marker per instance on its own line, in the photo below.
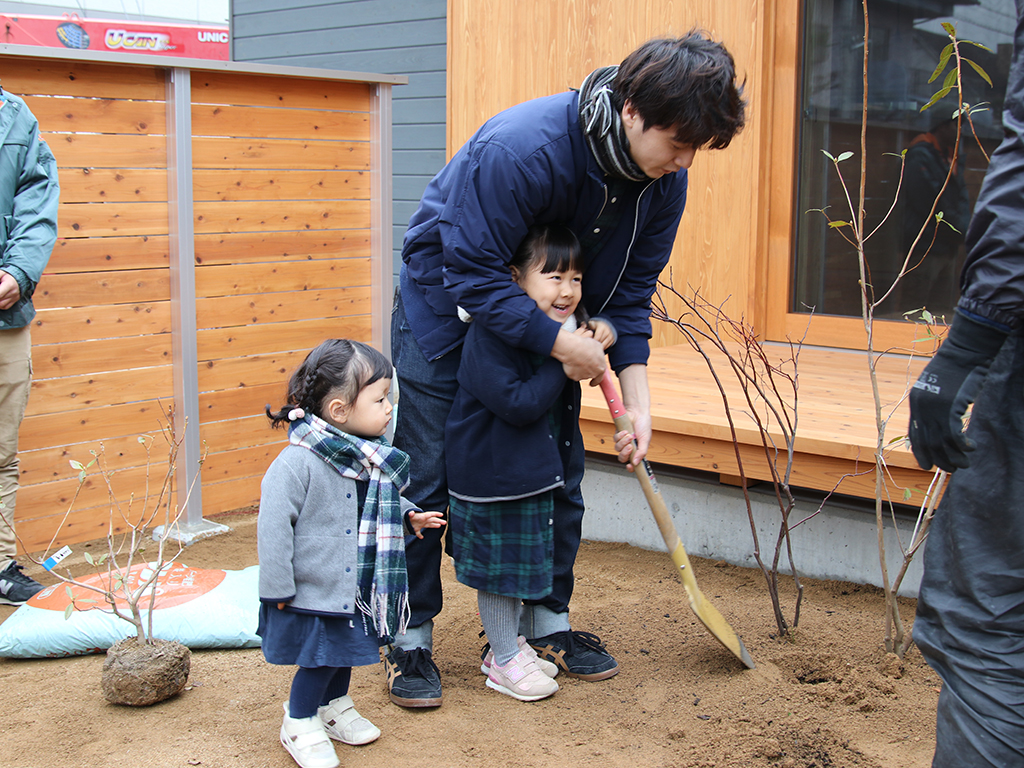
point(705, 611)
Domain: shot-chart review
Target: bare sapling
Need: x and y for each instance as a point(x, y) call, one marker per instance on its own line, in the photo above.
point(128, 578)
point(768, 391)
point(898, 638)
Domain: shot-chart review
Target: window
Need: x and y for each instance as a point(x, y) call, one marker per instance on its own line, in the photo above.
point(906, 41)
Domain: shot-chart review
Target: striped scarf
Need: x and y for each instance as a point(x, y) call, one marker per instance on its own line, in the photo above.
point(602, 126)
point(383, 593)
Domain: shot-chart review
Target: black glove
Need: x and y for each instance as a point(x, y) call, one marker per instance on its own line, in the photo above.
point(948, 384)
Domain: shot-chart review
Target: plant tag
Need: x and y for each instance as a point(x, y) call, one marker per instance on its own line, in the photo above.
point(50, 562)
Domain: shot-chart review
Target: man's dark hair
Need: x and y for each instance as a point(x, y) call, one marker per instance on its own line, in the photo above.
point(688, 84)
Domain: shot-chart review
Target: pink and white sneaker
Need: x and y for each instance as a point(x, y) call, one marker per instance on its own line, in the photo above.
point(521, 679)
point(548, 668)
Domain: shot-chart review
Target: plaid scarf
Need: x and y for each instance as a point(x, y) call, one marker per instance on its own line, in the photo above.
point(383, 584)
point(602, 126)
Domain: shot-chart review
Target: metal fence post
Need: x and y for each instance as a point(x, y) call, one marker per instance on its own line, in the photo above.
point(191, 526)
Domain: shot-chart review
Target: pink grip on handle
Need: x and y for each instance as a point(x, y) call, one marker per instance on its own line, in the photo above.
point(611, 395)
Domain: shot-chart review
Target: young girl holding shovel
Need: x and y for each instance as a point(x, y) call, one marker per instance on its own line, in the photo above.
point(506, 444)
point(331, 544)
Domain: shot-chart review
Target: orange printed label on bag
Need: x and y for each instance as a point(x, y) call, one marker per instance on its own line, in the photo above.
point(176, 584)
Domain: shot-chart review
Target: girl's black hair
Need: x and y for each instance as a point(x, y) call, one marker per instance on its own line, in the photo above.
point(549, 247)
point(335, 368)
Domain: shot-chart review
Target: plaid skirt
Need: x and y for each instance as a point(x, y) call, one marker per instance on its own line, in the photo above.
point(504, 547)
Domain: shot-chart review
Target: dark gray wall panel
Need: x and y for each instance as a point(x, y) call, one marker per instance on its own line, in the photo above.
point(349, 15)
point(405, 37)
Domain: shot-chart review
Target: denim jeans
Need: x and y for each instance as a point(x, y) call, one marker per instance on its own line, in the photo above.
point(426, 391)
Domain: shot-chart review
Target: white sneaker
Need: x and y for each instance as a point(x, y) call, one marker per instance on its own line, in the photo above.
point(521, 679)
point(307, 742)
point(545, 666)
point(344, 724)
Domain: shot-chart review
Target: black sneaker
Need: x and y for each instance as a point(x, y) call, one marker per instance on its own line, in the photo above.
point(15, 586)
point(578, 654)
point(413, 678)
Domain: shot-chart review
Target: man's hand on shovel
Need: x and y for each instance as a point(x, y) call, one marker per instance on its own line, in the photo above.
point(636, 399)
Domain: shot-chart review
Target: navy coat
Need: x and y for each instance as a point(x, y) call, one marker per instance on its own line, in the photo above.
point(498, 440)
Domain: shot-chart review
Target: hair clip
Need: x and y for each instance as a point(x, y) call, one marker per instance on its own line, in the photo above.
point(296, 413)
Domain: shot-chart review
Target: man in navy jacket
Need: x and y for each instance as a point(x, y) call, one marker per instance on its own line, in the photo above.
point(609, 162)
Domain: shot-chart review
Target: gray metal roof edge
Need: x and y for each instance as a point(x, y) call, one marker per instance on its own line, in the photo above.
point(158, 61)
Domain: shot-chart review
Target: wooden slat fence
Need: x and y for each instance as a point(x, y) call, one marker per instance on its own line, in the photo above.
point(285, 256)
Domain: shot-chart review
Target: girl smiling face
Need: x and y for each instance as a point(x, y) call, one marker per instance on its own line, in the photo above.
point(557, 293)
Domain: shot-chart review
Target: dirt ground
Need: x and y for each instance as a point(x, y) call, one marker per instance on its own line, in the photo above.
point(829, 698)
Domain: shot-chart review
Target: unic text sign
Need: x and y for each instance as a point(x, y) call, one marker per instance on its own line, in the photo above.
point(70, 31)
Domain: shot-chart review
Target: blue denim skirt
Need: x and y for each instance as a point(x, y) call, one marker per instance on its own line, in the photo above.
point(310, 640)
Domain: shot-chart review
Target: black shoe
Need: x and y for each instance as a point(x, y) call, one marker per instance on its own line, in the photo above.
point(578, 654)
point(15, 586)
point(413, 678)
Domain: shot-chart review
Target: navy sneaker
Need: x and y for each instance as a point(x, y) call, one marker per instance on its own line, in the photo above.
point(413, 678)
point(578, 654)
point(15, 586)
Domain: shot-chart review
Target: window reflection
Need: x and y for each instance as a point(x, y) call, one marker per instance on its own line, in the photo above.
point(905, 45)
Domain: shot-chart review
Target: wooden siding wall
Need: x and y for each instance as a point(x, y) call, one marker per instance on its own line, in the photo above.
point(405, 37)
point(502, 52)
point(282, 251)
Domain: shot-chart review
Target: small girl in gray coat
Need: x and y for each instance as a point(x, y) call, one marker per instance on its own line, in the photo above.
point(331, 543)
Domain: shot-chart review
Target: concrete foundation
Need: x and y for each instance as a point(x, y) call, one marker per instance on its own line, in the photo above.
point(841, 542)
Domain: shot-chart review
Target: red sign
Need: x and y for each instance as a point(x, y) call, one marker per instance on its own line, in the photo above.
point(70, 31)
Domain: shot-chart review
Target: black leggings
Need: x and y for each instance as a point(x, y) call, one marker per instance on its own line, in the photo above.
point(314, 687)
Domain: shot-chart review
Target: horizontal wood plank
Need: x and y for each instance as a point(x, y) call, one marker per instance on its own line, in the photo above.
point(89, 425)
point(825, 474)
point(241, 402)
point(242, 462)
point(316, 274)
point(79, 526)
point(51, 500)
point(96, 115)
point(263, 216)
point(279, 185)
point(228, 311)
point(231, 495)
point(278, 123)
point(280, 154)
point(262, 369)
point(104, 321)
point(82, 150)
point(116, 453)
point(111, 185)
point(79, 358)
point(237, 433)
point(119, 287)
point(250, 371)
point(100, 254)
point(80, 78)
point(287, 92)
point(249, 247)
point(218, 343)
point(75, 393)
point(109, 219)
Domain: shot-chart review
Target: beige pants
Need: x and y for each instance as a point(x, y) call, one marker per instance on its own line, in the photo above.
point(15, 378)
